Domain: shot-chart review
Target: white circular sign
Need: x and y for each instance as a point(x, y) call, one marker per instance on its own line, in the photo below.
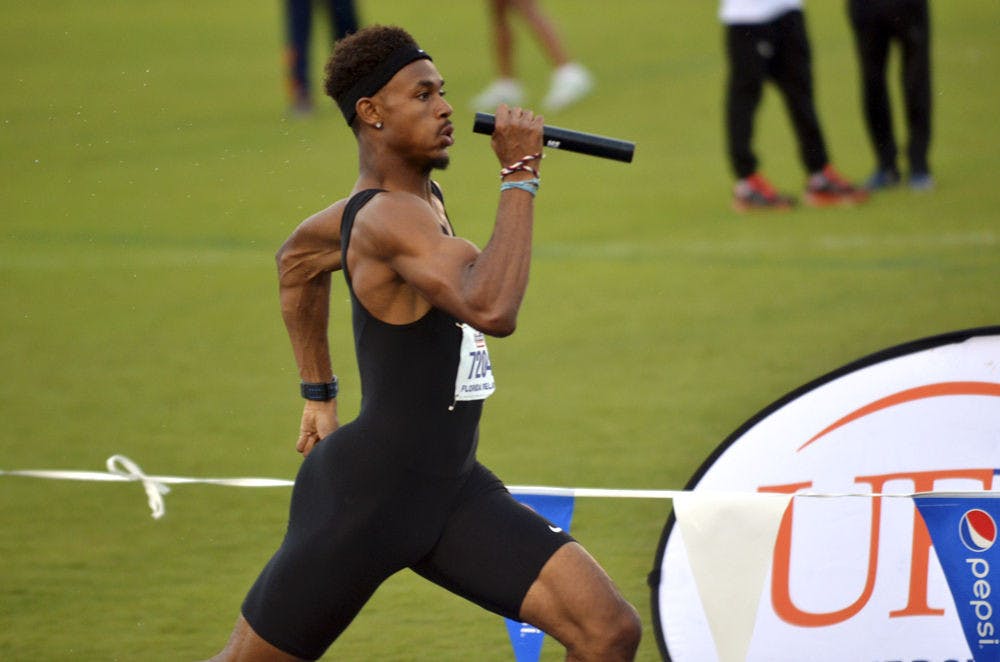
point(852, 579)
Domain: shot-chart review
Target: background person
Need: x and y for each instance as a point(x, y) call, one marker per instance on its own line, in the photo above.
point(298, 37)
point(767, 40)
point(571, 81)
point(876, 24)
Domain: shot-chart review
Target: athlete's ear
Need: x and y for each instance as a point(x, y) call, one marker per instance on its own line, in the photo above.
point(368, 112)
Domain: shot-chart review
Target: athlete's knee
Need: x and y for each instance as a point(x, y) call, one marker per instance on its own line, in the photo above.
point(613, 638)
point(626, 631)
point(246, 645)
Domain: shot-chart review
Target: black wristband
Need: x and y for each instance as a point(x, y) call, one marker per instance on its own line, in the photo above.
point(320, 392)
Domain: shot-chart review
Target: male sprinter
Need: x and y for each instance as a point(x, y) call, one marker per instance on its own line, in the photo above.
point(400, 485)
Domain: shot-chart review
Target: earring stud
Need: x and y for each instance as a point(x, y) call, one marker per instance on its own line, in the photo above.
point(378, 125)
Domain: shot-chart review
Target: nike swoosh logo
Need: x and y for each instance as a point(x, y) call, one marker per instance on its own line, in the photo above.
point(555, 529)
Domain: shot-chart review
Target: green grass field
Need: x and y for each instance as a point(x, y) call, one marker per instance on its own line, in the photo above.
point(148, 174)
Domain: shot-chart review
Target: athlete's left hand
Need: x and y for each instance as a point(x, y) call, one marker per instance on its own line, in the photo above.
point(318, 420)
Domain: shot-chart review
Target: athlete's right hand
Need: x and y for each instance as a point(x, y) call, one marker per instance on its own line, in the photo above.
point(517, 132)
point(318, 420)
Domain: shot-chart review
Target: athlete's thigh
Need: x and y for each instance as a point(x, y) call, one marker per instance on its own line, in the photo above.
point(349, 529)
point(492, 548)
point(572, 596)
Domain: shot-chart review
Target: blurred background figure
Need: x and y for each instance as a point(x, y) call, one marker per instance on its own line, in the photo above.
point(298, 38)
point(571, 81)
point(767, 40)
point(876, 24)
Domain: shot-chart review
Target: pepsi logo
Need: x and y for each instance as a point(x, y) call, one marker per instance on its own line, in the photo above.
point(977, 530)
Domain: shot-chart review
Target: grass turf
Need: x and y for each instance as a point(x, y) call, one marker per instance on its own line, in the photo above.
point(148, 175)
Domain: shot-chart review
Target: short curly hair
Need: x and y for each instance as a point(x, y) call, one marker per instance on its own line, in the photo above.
point(357, 55)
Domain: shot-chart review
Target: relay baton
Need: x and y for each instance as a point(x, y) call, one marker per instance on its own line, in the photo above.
point(569, 140)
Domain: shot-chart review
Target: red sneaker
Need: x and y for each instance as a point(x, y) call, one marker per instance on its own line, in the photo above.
point(828, 187)
point(755, 192)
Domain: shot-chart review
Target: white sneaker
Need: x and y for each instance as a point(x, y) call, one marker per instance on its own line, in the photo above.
point(502, 90)
point(570, 83)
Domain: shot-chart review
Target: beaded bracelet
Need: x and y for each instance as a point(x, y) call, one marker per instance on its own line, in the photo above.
point(521, 165)
point(529, 185)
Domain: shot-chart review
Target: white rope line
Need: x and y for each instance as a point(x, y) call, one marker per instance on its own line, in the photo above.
point(670, 494)
point(122, 469)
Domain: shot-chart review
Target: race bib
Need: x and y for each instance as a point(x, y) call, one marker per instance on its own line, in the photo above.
point(474, 380)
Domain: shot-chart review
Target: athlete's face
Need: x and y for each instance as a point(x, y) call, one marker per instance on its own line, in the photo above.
point(417, 118)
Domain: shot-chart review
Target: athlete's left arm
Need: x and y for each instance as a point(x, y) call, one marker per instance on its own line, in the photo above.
point(305, 262)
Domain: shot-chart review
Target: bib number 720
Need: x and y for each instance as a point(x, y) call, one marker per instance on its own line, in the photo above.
point(480, 366)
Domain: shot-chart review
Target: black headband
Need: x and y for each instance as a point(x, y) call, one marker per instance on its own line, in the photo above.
point(377, 78)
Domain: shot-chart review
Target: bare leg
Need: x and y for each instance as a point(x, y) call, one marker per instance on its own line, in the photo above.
point(245, 645)
point(544, 30)
point(576, 602)
point(505, 88)
point(503, 38)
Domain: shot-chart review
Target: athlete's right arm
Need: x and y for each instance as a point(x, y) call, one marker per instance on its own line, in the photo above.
point(305, 262)
point(482, 288)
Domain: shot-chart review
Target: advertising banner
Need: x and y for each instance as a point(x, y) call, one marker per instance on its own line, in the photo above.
point(964, 533)
point(852, 578)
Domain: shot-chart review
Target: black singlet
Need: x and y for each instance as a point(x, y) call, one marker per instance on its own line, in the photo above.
point(397, 487)
point(408, 381)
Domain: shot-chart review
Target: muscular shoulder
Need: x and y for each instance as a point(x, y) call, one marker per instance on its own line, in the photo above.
point(327, 221)
point(314, 246)
point(395, 207)
point(394, 220)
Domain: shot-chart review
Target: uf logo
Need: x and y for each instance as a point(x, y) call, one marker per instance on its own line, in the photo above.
point(916, 604)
